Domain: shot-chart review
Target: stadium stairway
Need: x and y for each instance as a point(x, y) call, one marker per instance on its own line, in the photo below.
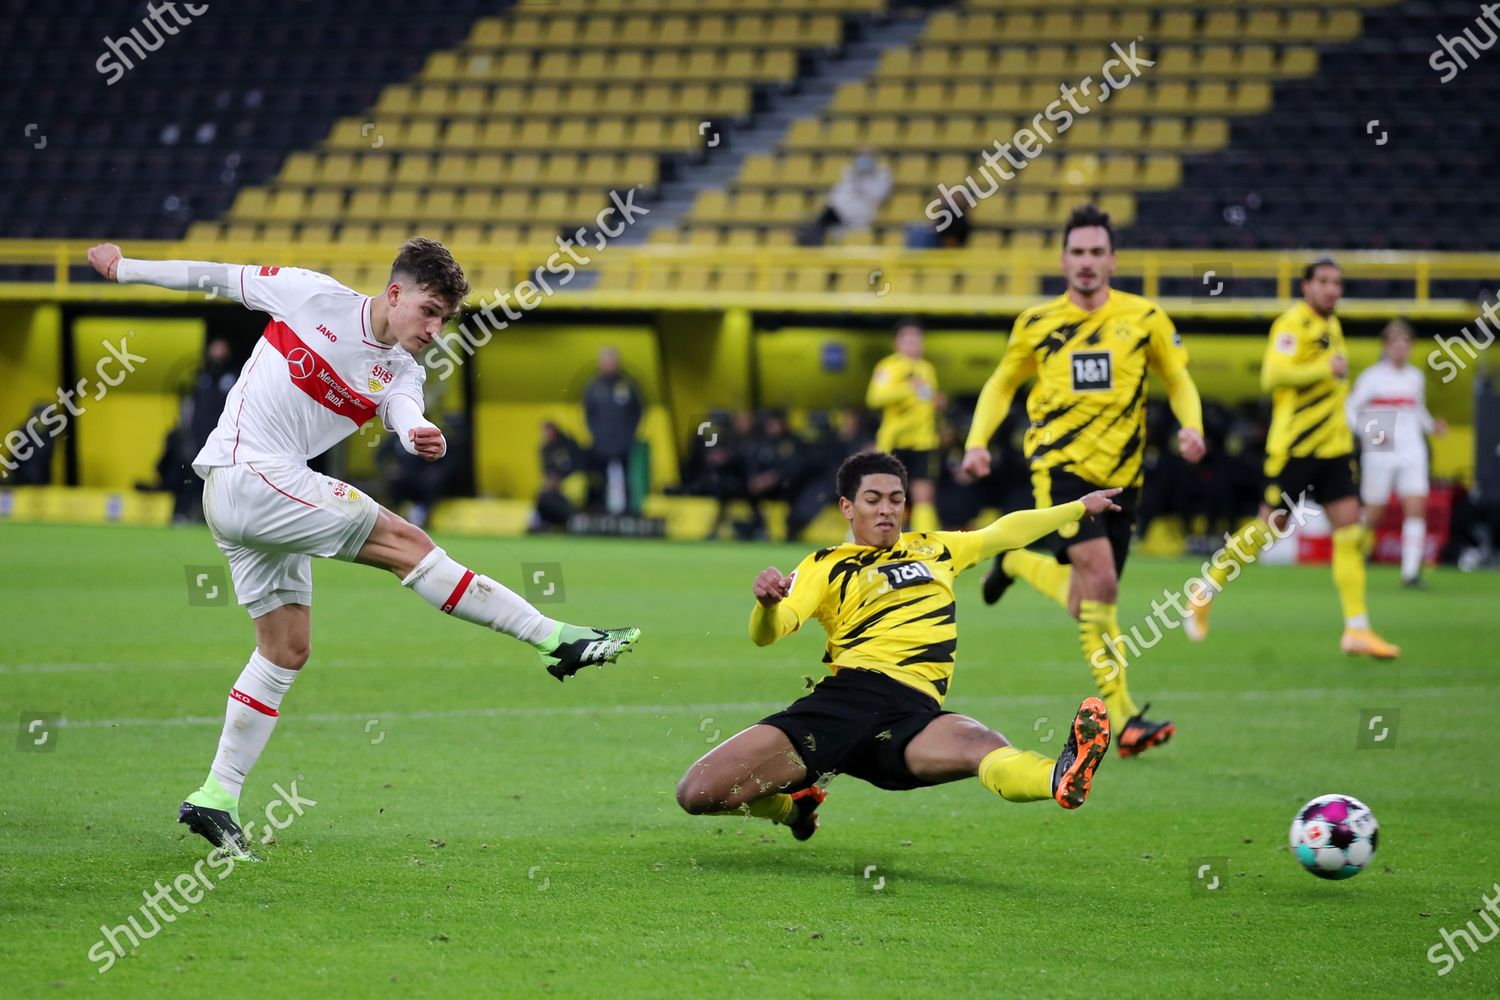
point(857, 60)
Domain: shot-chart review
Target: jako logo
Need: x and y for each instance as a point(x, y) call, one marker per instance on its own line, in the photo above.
point(1471, 935)
point(120, 62)
point(327, 333)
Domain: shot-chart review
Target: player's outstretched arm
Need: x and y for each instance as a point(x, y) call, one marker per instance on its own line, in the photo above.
point(418, 435)
point(209, 277)
point(1020, 528)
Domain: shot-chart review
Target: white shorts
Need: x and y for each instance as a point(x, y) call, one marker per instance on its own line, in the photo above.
point(1380, 472)
point(269, 519)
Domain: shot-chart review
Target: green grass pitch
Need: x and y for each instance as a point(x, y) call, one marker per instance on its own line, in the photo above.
point(482, 829)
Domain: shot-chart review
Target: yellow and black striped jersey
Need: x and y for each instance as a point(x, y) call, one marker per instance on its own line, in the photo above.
point(1087, 408)
point(889, 610)
point(903, 389)
point(1307, 400)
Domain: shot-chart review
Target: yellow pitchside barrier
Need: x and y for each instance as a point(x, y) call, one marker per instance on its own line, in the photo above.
point(826, 279)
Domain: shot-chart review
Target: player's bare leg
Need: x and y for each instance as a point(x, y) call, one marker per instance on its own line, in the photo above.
point(283, 642)
point(749, 774)
point(1359, 638)
point(954, 747)
point(399, 546)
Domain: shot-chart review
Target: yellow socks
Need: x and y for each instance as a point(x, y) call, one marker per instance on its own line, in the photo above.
point(1017, 775)
point(1240, 550)
point(924, 517)
point(1349, 575)
point(1096, 620)
point(775, 808)
point(1050, 577)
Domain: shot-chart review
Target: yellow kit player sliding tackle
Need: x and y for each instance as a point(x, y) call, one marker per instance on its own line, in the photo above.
point(1090, 349)
point(886, 602)
point(1309, 452)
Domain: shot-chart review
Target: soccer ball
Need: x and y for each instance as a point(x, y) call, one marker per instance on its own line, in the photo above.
point(1334, 836)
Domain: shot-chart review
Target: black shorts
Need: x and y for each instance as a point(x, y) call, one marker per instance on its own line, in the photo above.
point(857, 722)
point(1324, 480)
point(1055, 486)
point(919, 464)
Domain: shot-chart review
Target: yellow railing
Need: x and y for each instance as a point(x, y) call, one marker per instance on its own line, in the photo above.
point(878, 279)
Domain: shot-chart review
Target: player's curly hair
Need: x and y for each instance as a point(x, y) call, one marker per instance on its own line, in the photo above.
point(1089, 215)
point(856, 467)
point(428, 265)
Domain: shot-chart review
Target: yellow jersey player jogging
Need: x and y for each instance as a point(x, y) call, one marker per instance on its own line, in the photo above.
point(1090, 350)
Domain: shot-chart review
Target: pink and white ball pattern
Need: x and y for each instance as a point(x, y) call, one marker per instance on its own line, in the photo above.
point(1334, 836)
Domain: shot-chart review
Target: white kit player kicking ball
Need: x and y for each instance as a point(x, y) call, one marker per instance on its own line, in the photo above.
point(329, 360)
point(1388, 412)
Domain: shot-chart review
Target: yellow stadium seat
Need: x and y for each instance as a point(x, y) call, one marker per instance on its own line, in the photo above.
point(366, 205)
point(883, 133)
point(759, 168)
point(1300, 61)
point(314, 232)
point(337, 169)
point(250, 203)
point(1177, 26)
point(805, 133)
point(402, 204)
point(442, 66)
point(325, 204)
point(203, 231)
point(396, 100)
point(711, 206)
point(299, 168)
point(512, 205)
point(242, 232)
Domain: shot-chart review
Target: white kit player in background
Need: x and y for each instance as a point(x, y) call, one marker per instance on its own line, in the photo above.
point(1388, 413)
point(330, 359)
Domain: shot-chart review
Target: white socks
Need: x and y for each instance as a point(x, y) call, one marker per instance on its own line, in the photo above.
point(465, 594)
point(254, 705)
point(1413, 544)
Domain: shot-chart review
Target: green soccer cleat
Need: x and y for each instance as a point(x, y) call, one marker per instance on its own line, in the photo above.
point(214, 814)
point(571, 647)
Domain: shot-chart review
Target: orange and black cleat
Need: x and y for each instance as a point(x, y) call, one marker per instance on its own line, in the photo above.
point(1141, 734)
point(1088, 741)
point(806, 803)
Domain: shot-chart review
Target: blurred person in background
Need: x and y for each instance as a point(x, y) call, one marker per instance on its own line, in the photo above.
point(836, 436)
point(775, 464)
point(854, 202)
point(1387, 409)
point(36, 468)
point(904, 388)
point(612, 407)
point(562, 458)
point(930, 236)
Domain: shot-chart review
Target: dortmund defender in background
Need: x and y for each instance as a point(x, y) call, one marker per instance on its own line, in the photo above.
point(886, 602)
point(904, 388)
point(1309, 450)
point(1089, 349)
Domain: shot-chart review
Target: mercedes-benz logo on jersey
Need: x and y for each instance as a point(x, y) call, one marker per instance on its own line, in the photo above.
point(300, 361)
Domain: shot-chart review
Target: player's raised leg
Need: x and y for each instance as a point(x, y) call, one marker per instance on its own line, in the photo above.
point(399, 546)
point(953, 747)
point(750, 774)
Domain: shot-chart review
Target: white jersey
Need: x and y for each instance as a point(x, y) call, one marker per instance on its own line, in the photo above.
point(1388, 410)
point(317, 373)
